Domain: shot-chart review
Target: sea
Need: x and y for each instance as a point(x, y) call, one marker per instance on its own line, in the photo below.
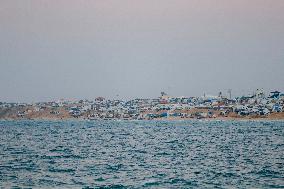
point(141, 154)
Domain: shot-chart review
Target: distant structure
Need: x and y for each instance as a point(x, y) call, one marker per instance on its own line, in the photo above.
point(100, 99)
point(165, 106)
point(259, 93)
point(163, 94)
point(230, 93)
point(275, 94)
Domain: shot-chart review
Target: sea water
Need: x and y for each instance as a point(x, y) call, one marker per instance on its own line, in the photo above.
point(142, 154)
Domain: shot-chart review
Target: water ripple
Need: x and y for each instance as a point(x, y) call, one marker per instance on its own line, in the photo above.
point(142, 154)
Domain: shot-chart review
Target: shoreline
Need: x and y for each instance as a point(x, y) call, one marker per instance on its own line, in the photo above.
point(159, 119)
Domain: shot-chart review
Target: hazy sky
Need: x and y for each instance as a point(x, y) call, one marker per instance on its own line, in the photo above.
point(137, 48)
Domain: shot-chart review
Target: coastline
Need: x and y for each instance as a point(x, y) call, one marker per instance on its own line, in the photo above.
point(143, 110)
point(62, 114)
point(157, 119)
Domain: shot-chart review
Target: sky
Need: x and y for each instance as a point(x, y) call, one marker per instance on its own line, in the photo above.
point(123, 49)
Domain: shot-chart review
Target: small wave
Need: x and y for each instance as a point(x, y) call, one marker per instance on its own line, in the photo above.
point(57, 170)
point(49, 182)
point(151, 182)
point(114, 186)
point(114, 167)
point(269, 173)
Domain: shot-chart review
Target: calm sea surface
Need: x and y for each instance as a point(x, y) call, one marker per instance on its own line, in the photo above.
point(142, 154)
